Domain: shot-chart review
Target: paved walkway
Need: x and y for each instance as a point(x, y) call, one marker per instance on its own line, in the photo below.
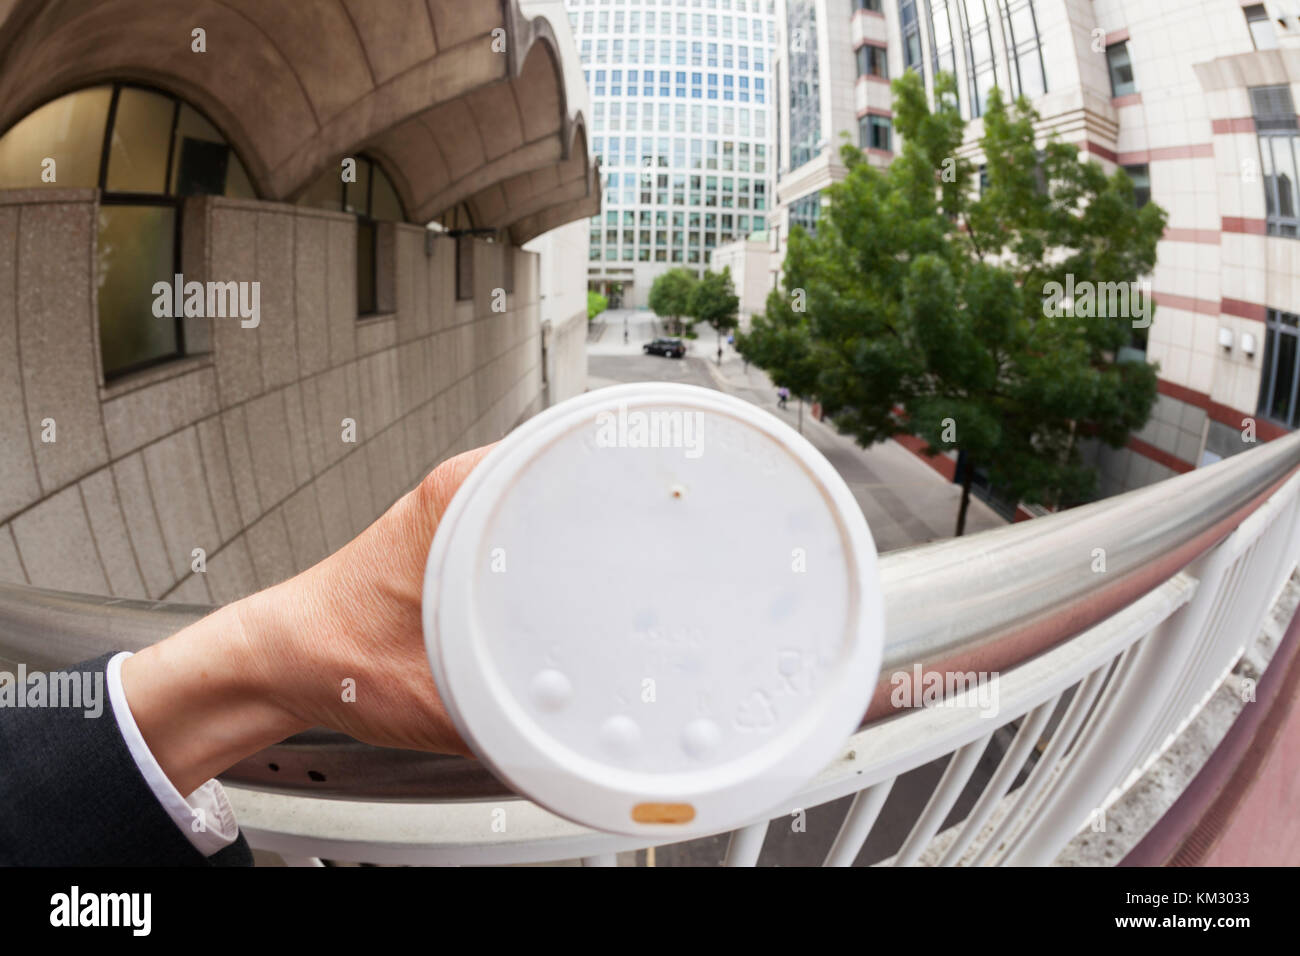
point(905, 501)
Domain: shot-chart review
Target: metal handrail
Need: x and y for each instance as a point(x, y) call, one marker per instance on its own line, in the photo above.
point(985, 602)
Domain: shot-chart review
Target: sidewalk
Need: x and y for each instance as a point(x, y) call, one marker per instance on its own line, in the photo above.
point(905, 501)
point(642, 325)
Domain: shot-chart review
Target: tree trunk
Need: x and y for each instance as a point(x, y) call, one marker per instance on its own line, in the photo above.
point(966, 478)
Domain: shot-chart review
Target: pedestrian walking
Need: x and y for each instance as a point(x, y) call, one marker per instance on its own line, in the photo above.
point(782, 396)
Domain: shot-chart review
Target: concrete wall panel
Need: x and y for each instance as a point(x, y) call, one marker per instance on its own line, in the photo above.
point(142, 525)
point(56, 335)
point(216, 469)
point(277, 333)
point(268, 438)
point(19, 486)
point(143, 415)
point(240, 451)
point(332, 502)
point(57, 546)
point(239, 458)
point(341, 272)
point(295, 417)
point(303, 522)
point(192, 589)
point(230, 572)
point(233, 258)
point(174, 467)
point(11, 566)
point(269, 549)
point(311, 293)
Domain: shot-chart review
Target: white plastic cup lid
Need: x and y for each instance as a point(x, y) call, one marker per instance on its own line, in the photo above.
point(654, 609)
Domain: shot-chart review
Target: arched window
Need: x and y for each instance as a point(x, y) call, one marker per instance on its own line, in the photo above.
point(157, 151)
point(363, 189)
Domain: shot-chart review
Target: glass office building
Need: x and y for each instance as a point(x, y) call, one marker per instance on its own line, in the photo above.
point(682, 122)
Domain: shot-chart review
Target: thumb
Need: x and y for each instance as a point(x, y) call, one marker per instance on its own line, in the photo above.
point(433, 496)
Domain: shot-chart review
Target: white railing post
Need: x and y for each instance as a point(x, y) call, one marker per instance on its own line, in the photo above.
point(857, 824)
point(745, 845)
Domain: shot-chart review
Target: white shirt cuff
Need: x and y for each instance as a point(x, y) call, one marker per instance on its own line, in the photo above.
point(205, 816)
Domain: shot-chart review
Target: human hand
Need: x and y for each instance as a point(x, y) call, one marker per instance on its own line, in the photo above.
point(276, 662)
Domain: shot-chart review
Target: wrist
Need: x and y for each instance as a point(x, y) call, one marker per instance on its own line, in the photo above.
point(203, 699)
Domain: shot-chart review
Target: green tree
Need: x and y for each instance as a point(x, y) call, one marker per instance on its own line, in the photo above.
point(924, 305)
point(714, 302)
point(780, 340)
point(596, 304)
point(670, 296)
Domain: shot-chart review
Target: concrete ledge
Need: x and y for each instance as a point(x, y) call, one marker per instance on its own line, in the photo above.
point(44, 197)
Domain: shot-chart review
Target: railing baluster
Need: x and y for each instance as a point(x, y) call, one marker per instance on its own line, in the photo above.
point(1002, 779)
point(858, 823)
point(745, 845)
point(954, 778)
point(1188, 683)
point(1078, 709)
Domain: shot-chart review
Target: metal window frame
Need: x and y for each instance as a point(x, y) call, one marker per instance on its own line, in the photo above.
point(1147, 166)
point(1018, 48)
point(1258, 13)
point(1110, 69)
point(870, 123)
point(950, 49)
point(974, 70)
point(166, 198)
point(803, 120)
point(907, 31)
point(871, 54)
point(885, 124)
point(1276, 222)
point(1274, 328)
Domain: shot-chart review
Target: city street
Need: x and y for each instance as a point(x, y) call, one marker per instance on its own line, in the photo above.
point(905, 501)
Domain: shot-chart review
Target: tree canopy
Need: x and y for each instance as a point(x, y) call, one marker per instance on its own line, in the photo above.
point(670, 294)
point(714, 302)
point(919, 305)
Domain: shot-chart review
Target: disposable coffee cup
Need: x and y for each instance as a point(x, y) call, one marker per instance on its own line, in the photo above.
point(655, 610)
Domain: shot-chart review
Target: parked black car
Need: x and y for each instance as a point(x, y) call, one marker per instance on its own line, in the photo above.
point(669, 348)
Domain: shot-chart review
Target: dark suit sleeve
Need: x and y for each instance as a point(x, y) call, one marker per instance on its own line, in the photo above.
point(71, 794)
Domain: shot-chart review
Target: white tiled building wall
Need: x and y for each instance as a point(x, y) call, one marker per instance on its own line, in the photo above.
point(1190, 122)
